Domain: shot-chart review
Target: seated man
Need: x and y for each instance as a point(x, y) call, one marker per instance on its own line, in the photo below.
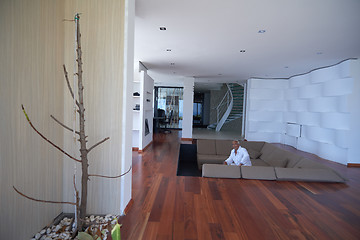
point(238, 156)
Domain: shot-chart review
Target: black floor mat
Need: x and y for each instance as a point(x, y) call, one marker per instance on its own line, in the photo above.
point(187, 163)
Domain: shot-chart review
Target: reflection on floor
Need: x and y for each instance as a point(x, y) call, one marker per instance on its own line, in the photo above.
point(204, 133)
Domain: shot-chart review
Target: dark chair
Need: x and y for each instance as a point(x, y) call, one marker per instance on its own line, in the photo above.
point(166, 120)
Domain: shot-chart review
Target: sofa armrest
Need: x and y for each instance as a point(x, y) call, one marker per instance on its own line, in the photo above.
point(258, 172)
point(220, 171)
point(310, 175)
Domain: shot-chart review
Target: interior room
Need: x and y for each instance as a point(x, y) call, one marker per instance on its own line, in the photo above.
point(129, 100)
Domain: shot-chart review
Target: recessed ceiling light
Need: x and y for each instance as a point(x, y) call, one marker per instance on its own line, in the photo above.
point(162, 28)
point(168, 50)
point(262, 31)
point(172, 64)
point(242, 50)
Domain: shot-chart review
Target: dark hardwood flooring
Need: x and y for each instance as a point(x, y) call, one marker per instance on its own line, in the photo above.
point(167, 206)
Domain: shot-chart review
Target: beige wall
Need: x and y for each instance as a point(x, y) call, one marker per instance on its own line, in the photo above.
point(31, 46)
point(102, 29)
point(34, 43)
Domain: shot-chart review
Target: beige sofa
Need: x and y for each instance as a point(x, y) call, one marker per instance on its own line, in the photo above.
point(268, 163)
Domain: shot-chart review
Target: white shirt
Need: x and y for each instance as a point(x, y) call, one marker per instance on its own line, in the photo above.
point(241, 157)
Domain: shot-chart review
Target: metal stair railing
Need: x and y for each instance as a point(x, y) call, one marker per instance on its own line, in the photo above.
point(224, 108)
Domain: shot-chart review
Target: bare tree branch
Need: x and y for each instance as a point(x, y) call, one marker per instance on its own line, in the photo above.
point(63, 125)
point(68, 84)
point(46, 138)
point(98, 144)
point(43, 201)
point(97, 175)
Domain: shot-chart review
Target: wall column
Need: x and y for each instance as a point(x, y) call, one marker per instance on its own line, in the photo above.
point(188, 108)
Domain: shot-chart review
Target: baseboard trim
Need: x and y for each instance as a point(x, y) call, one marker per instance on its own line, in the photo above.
point(128, 206)
point(142, 150)
point(353, 165)
point(186, 139)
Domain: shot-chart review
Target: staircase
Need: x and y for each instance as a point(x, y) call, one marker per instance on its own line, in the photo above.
point(235, 97)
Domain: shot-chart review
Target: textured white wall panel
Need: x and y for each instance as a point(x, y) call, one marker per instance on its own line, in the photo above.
point(298, 105)
point(342, 138)
point(342, 104)
point(266, 105)
point(335, 120)
point(325, 74)
point(292, 93)
point(344, 69)
point(330, 151)
point(310, 91)
point(323, 104)
point(290, 140)
point(270, 127)
point(269, 83)
point(299, 81)
point(338, 87)
point(319, 134)
point(307, 145)
point(309, 118)
point(266, 94)
point(266, 116)
point(293, 130)
point(267, 137)
point(324, 101)
point(290, 117)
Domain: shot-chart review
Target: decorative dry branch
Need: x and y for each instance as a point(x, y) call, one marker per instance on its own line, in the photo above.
point(97, 144)
point(68, 84)
point(27, 118)
point(97, 175)
point(43, 201)
point(63, 125)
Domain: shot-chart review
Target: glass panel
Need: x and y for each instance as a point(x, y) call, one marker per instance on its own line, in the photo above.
point(171, 101)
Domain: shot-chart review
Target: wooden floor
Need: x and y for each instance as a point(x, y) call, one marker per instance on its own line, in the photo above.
point(170, 207)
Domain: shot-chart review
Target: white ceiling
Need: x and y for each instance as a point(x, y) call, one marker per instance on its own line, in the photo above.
point(206, 36)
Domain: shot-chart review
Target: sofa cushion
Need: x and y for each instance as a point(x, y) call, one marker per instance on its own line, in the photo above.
point(253, 153)
point(258, 172)
point(267, 149)
point(276, 158)
point(206, 146)
point(223, 147)
point(307, 163)
point(259, 162)
point(293, 159)
point(212, 159)
point(312, 175)
point(221, 171)
point(257, 146)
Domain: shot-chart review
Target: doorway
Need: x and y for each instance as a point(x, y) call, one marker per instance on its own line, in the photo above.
point(169, 102)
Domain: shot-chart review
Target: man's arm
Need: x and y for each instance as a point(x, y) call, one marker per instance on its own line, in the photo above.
point(229, 160)
point(245, 160)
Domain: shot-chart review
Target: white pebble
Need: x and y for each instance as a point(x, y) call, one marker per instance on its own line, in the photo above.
point(37, 236)
point(57, 228)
